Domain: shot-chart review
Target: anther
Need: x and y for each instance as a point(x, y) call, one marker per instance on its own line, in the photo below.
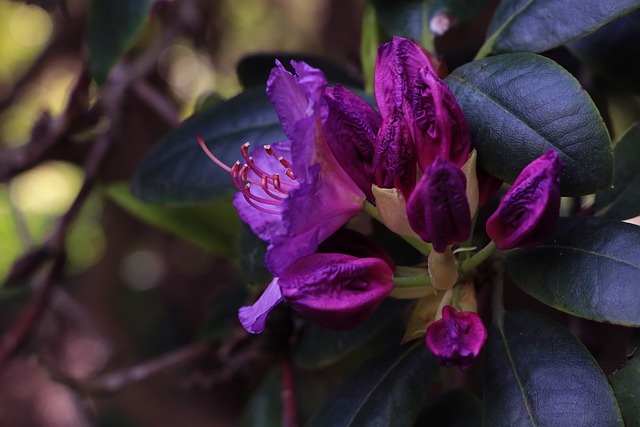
point(245, 149)
point(284, 162)
point(235, 169)
point(290, 174)
point(265, 182)
point(276, 181)
point(244, 171)
point(268, 149)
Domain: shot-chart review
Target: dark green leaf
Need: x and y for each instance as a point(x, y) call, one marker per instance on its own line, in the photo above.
point(613, 51)
point(371, 38)
point(519, 106)
point(454, 408)
point(265, 407)
point(538, 374)
point(539, 25)
point(177, 170)
point(212, 226)
point(386, 391)
point(626, 385)
point(589, 267)
point(406, 18)
point(112, 27)
point(319, 347)
point(623, 200)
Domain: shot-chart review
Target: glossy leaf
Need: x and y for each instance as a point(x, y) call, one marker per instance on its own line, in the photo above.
point(212, 226)
point(454, 408)
point(626, 385)
point(387, 390)
point(589, 267)
point(623, 200)
point(538, 374)
point(538, 25)
point(319, 347)
point(613, 52)
point(112, 27)
point(520, 105)
point(177, 170)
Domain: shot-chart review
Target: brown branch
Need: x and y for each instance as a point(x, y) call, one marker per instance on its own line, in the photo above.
point(114, 382)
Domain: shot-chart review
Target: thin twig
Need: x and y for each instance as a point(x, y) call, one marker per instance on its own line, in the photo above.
point(114, 382)
point(289, 406)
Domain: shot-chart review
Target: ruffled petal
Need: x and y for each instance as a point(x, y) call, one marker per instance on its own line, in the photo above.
point(438, 209)
point(351, 127)
point(334, 290)
point(253, 317)
point(457, 338)
point(529, 211)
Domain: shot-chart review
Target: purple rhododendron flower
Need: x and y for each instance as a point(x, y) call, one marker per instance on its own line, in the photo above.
point(294, 194)
point(457, 338)
point(334, 290)
point(529, 211)
point(438, 209)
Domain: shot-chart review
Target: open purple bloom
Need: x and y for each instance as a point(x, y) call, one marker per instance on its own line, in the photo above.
point(334, 290)
point(529, 211)
point(294, 194)
point(438, 209)
point(457, 338)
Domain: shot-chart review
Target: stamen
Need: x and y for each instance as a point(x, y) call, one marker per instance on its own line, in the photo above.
point(290, 174)
point(210, 154)
point(276, 181)
point(284, 162)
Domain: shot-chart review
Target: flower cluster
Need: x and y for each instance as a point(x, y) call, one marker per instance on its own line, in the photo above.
point(410, 164)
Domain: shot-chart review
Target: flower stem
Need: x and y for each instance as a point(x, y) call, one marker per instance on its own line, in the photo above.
point(478, 257)
point(407, 282)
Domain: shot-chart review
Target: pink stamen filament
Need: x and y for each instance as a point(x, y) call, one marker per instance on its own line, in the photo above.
point(242, 181)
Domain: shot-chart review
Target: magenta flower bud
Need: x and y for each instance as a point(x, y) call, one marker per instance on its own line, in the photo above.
point(334, 290)
point(438, 209)
point(529, 211)
point(457, 338)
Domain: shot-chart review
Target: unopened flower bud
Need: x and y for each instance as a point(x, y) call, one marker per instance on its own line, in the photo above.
point(438, 209)
point(529, 211)
point(457, 338)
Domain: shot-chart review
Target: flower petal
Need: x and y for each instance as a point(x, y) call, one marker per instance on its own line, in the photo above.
point(529, 211)
point(334, 290)
point(253, 317)
point(351, 127)
point(438, 209)
point(457, 338)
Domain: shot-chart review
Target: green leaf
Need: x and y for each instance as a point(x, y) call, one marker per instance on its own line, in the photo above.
point(371, 38)
point(589, 267)
point(113, 26)
point(520, 105)
point(626, 385)
point(454, 408)
point(539, 25)
point(265, 407)
point(178, 171)
point(319, 347)
point(406, 18)
point(613, 52)
point(538, 374)
point(212, 226)
point(386, 391)
point(623, 200)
